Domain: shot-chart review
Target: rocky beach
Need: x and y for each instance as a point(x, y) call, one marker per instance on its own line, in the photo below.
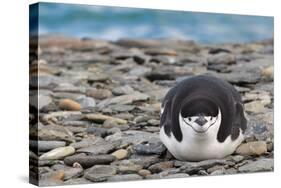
point(95, 107)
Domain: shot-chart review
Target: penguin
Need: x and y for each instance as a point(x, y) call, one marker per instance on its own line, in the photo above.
point(202, 118)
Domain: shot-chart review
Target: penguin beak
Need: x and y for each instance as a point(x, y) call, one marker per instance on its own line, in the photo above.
point(201, 120)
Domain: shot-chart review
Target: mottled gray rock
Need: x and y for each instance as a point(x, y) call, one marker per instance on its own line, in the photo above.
point(258, 166)
point(89, 160)
point(69, 172)
point(123, 90)
point(99, 173)
point(159, 167)
point(125, 177)
point(100, 148)
point(150, 148)
point(86, 102)
point(46, 145)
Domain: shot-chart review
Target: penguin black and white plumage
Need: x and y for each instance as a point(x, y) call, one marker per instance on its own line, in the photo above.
point(202, 118)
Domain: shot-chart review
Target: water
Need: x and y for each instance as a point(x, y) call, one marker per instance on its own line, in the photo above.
point(113, 23)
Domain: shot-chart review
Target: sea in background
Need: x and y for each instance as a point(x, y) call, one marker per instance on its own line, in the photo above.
point(113, 23)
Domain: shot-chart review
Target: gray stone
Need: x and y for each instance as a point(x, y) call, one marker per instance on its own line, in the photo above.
point(159, 167)
point(100, 148)
point(46, 145)
point(258, 166)
point(99, 173)
point(150, 148)
point(125, 177)
point(179, 175)
point(89, 160)
point(57, 153)
point(77, 181)
point(69, 172)
point(86, 102)
point(123, 90)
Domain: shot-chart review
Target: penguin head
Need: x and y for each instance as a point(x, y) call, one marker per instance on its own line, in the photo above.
point(200, 116)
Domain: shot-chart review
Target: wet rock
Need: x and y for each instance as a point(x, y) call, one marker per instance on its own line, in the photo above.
point(99, 93)
point(57, 153)
point(99, 173)
point(87, 161)
point(252, 148)
point(258, 166)
point(150, 148)
point(120, 154)
point(159, 167)
point(68, 104)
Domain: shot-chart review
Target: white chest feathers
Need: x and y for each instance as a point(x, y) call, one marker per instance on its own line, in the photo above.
point(200, 143)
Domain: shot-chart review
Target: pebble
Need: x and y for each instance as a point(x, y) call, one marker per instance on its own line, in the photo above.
point(100, 148)
point(57, 153)
point(258, 166)
point(69, 172)
point(254, 107)
point(86, 102)
point(100, 118)
point(268, 73)
point(150, 148)
point(144, 172)
point(51, 133)
point(99, 173)
point(87, 161)
point(128, 168)
point(125, 177)
point(252, 148)
point(178, 175)
point(120, 154)
point(159, 167)
point(99, 93)
point(123, 90)
point(68, 104)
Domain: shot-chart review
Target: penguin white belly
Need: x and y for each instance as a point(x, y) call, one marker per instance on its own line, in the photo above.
point(199, 148)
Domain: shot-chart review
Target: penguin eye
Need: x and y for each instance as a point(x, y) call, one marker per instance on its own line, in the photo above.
point(211, 118)
point(189, 119)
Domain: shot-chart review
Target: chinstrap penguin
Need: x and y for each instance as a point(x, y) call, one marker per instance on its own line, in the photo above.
point(202, 118)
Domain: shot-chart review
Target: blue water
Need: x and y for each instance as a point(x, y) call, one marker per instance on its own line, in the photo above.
point(113, 23)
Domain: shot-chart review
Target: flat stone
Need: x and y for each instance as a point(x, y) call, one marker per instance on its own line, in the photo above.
point(51, 133)
point(150, 148)
point(77, 181)
point(122, 107)
point(123, 90)
point(124, 99)
point(222, 58)
point(252, 148)
point(57, 153)
point(100, 118)
point(99, 93)
point(144, 172)
point(100, 148)
point(99, 173)
point(65, 87)
point(159, 167)
point(254, 107)
point(128, 168)
point(40, 101)
point(194, 167)
point(120, 154)
point(125, 177)
point(87, 161)
point(258, 166)
point(46, 145)
point(97, 131)
point(85, 142)
point(178, 175)
point(135, 137)
point(69, 172)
